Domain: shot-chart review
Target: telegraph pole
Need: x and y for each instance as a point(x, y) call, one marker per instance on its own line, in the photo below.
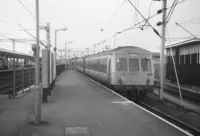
point(162, 57)
point(37, 92)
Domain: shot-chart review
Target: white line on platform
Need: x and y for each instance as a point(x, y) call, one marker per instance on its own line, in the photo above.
point(173, 125)
point(26, 89)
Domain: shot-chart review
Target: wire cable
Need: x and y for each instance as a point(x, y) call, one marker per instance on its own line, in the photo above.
point(190, 20)
point(146, 20)
point(152, 16)
point(150, 8)
point(177, 79)
point(135, 26)
point(26, 9)
point(136, 13)
point(113, 15)
point(171, 10)
point(31, 35)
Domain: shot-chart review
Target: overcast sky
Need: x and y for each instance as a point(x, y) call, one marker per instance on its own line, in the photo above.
point(85, 19)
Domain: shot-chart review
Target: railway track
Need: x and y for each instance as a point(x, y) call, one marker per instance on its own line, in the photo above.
point(189, 130)
point(171, 119)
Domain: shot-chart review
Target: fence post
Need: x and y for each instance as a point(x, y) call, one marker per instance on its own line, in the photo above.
point(14, 77)
point(29, 79)
point(23, 79)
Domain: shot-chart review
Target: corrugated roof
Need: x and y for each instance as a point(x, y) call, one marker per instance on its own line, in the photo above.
point(187, 42)
point(15, 53)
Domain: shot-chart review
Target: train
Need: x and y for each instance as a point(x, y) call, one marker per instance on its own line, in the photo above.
point(127, 69)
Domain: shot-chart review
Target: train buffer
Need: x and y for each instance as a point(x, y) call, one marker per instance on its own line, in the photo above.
point(79, 106)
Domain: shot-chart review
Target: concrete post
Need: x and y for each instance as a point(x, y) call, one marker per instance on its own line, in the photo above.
point(162, 50)
point(37, 91)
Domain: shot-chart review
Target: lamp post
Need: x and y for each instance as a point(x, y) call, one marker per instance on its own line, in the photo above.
point(65, 54)
point(62, 29)
point(88, 50)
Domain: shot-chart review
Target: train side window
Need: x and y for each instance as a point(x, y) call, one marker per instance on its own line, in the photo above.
point(133, 64)
point(146, 64)
point(121, 64)
point(109, 65)
point(1, 63)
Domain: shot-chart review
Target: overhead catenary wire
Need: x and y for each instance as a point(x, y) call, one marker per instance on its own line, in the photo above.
point(186, 30)
point(31, 35)
point(150, 8)
point(146, 20)
point(152, 16)
point(113, 15)
point(26, 9)
point(136, 13)
point(190, 20)
point(135, 26)
point(172, 10)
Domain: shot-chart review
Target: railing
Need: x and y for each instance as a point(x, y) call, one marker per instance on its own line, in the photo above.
point(60, 68)
point(24, 78)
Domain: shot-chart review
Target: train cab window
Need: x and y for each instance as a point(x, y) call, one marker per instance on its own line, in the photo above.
point(121, 64)
point(146, 64)
point(133, 64)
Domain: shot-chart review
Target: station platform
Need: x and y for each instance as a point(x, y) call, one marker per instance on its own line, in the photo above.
point(78, 106)
point(15, 112)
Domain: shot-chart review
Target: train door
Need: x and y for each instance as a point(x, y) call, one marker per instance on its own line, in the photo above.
point(146, 70)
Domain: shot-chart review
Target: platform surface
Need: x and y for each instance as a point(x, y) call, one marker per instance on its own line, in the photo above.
point(80, 107)
point(13, 112)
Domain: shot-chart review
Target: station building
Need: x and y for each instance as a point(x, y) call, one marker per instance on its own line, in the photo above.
point(186, 55)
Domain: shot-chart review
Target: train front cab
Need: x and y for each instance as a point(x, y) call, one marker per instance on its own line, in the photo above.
point(134, 71)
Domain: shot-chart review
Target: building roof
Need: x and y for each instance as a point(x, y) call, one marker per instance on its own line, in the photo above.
point(184, 43)
point(6, 52)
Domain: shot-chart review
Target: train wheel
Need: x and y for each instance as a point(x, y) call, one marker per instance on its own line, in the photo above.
point(144, 93)
point(135, 95)
point(129, 94)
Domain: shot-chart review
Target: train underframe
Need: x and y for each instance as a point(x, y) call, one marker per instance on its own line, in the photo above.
point(134, 91)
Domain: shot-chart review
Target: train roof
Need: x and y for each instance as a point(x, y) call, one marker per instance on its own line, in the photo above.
point(9, 53)
point(184, 43)
point(128, 49)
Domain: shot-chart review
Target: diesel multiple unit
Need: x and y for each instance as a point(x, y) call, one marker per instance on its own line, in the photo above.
point(129, 69)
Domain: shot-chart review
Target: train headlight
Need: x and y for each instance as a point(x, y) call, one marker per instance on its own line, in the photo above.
point(120, 81)
point(148, 81)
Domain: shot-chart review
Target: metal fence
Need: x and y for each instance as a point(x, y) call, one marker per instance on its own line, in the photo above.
point(24, 78)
